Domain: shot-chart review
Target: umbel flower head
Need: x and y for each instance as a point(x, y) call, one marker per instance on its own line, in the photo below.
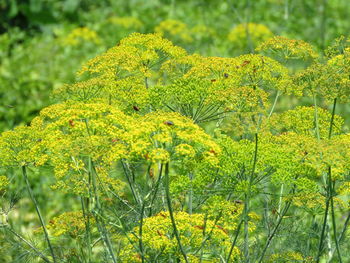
point(158, 238)
point(123, 73)
point(127, 22)
point(287, 49)
point(23, 146)
point(69, 134)
point(174, 30)
point(205, 87)
point(302, 120)
point(80, 35)
point(329, 80)
point(247, 34)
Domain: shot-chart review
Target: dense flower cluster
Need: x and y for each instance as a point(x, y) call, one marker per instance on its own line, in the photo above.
point(174, 29)
point(287, 48)
point(80, 35)
point(70, 223)
point(196, 233)
point(126, 22)
point(248, 35)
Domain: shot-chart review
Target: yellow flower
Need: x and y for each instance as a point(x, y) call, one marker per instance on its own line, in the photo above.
point(127, 22)
point(80, 35)
point(175, 30)
point(247, 34)
point(288, 48)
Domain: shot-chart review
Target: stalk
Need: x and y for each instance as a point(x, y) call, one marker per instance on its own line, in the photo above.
point(24, 173)
point(86, 213)
point(329, 193)
point(269, 239)
point(331, 186)
point(140, 232)
point(234, 241)
point(247, 202)
point(98, 207)
point(41, 255)
point(190, 196)
point(280, 202)
point(155, 189)
point(347, 221)
point(168, 199)
point(130, 184)
point(274, 103)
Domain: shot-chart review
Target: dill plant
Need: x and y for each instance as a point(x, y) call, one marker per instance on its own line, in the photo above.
point(175, 157)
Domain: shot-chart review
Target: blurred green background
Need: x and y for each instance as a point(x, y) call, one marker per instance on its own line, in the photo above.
point(44, 42)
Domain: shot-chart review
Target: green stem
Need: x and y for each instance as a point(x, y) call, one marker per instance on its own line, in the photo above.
point(234, 241)
point(341, 235)
point(274, 103)
point(131, 185)
point(86, 213)
point(332, 118)
point(140, 231)
point(331, 187)
point(269, 239)
point(24, 173)
point(167, 193)
point(316, 119)
point(41, 255)
point(329, 194)
point(98, 212)
point(280, 202)
point(155, 189)
point(320, 246)
point(247, 203)
point(190, 196)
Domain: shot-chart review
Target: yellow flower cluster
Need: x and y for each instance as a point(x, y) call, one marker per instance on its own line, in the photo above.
point(302, 120)
point(80, 35)
point(329, 80)
point(158, 238)
point(71, 224)
point(3, 183)
point(244, 35)
point(289, 256)
point(174, 29)
point(123, 74)
point(127, 22)
point(67, 135)
point(22, 146)
point(287, 48)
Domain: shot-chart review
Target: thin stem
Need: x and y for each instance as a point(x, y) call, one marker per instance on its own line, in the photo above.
point(247, 203)
point(269, 239)
point(190, 196)
point(332, 118)
point(341, 235)
point(234, 241)
point(280, 202)
point(41, 255)
point(130, 183)
point(168, 199)
point(98, 212)
point(274, 103)
point(140, 232)
point(331, 186)
point(155, 189)
point(86, 214)
point(320, 246)
point(24, 173)
point(316, 119)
